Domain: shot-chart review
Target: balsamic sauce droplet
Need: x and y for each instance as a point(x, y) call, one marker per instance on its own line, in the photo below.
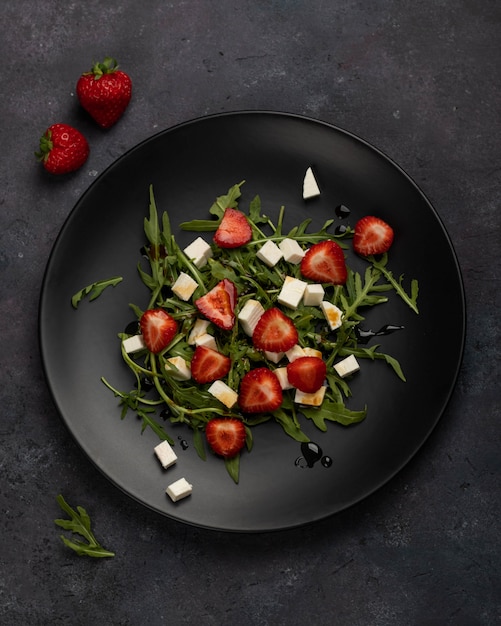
point(342, 211)
point(341, 229)
point(164, 414)
point(311, 452)
point(364, 336)
point(132, 328)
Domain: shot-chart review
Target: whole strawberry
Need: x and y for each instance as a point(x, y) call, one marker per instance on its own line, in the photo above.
point(63, 149)
point(105, 92)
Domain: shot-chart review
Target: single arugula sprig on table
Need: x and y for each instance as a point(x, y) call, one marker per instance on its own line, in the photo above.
point(79, 523)
point(192, 404)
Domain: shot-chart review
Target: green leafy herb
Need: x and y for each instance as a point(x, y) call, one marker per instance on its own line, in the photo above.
point(79, 524)
point(94, 290)
point(191, 404)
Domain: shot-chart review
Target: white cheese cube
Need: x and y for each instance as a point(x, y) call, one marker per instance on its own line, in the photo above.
point(184, 286)
point(294, 353)
point(270, 253)
point(292, 291)
point(223, 393)
point(310, 399)
point(134, 344)
point(292, 251)
point(283, 379)
point(310, 185)
point(199, 252)
point(165, 454)
point(199, 328)
point(347, 366)
point(179, 489)
point(249, 316)
point(179, 368)
point(312, 352)
point(313, 295)
point(206, 340)
point(274, 357)
point(332, 314)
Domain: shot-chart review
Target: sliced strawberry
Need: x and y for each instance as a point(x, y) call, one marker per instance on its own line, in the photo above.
point(234, 230)
point(260, 391)
point(208, 365)
point(307, 373)
point(218, 305)
point(325, 262)
point(226, 436)
point(274, 332)
point(372, 236)
point(158, 329)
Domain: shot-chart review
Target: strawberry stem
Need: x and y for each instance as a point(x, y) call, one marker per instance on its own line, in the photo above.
point(108, 66)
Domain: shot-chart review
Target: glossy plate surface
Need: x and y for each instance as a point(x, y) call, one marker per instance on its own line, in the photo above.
point(188, 166)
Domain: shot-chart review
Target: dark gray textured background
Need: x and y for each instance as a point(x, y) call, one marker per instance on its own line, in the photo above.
point(420, 80)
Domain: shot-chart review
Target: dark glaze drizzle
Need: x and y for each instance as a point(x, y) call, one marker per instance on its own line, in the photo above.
point(364, 336)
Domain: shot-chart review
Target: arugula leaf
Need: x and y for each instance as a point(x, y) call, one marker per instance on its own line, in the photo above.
point(333, 412)
point(233, 467)
point(217, 209)
point(94, 290)
point(409, 299)
point(80, 524)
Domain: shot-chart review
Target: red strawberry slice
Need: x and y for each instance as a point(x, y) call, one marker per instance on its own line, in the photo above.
point(372, 236)
point(259, 391)
point(208, 365)
point(307, 373)
point(234, 230)
point(274, 332)
point(226, 436)
point(325, 262)
point(218, 305)
point(158, 329)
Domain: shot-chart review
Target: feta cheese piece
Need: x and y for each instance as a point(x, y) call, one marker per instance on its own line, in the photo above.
point(179, 368)
point(179, 489)
point(270, 253)
point(223, 393)
point(134, 344)
point(206, 340)
point(347, 366)
point(283, 379)
point(294, 353)
point(310, 185)
point(332, 314)
point(274, 357)
point(165, 454)
point(312, 352)
point(292, 251)
point(292, 291)
point(249, 316)
point(199, 251)
point(199, 328)
point(313, 294)
point(184, 286)
point(310, 399)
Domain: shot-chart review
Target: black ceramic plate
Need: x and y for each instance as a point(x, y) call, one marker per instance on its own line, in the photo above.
point(188, 166)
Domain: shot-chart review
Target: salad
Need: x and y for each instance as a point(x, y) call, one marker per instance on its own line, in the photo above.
point(252, 323)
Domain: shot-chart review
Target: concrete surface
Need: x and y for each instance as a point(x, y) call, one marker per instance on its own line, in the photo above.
point(421, 81)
